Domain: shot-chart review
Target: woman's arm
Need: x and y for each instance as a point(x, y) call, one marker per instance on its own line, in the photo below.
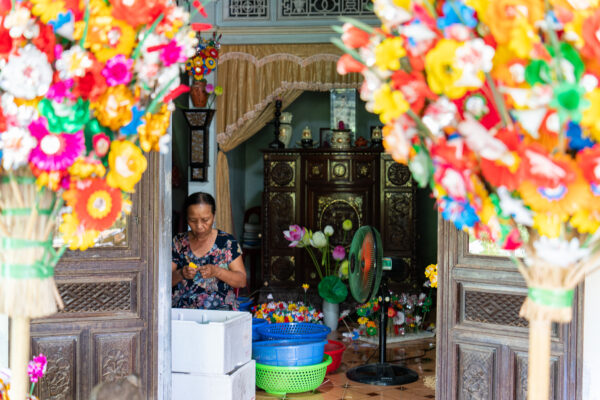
point(234, 277)
point(176, 274)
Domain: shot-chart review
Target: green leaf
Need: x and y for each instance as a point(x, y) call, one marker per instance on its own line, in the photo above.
point(332, 289)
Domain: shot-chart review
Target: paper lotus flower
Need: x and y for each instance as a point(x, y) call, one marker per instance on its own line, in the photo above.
point(84, 86)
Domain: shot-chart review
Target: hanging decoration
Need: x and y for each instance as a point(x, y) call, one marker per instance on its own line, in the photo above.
point(493, 104)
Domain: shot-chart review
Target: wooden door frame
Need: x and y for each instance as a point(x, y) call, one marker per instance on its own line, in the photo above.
point(450, 255)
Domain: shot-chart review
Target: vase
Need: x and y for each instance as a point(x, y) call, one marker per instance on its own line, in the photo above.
point(198, 94)
point(285, 128)
point(331, 314)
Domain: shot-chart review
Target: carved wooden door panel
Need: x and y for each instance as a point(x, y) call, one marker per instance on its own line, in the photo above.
point(107, 329)
point(482, 341)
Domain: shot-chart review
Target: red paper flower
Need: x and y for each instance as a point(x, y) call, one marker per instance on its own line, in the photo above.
point(542, 169)
point(588, 161)
point(480, 105)
point(590, 27)
point(347, 64)
point(354, 37)
point(137, 12)
point(92, 85)
point(97, 205)
point(414, 88)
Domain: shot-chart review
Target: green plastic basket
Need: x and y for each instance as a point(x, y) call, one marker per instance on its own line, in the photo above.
point(282, 380)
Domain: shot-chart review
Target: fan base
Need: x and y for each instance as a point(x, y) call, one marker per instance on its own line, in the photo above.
point(382, 374)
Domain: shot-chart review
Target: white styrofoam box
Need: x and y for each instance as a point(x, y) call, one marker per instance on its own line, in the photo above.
point(210, 341)
point(239, 384)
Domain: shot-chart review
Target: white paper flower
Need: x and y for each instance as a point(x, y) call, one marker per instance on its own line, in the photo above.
point(390, 13)
point(559, 252)
point(27, 75)
point(19, 23)
point(514, 207)
point(73, 62)
point(399, 318)
point(16, 144)
point(15, 115)
point(328, 231)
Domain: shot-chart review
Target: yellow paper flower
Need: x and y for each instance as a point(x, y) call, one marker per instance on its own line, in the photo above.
point(481, 7)
point(50, 179)
point(590, 118)
point(522, 38)
point(292, 307)
point(388, 53)
point(442, 73)
point(560, 200)
point(363, 320)
point(106, 37)
point(305, 286)
point(155, 127)
point(75, 235)
point(83, 168)
point(585, 221)
point(47, 10)
point(548, 224)
point(127, 164)
point(113, 107)
point(389, 104)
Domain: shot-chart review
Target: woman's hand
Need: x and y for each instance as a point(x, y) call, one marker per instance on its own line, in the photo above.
point(209, 271)
point(189, 272)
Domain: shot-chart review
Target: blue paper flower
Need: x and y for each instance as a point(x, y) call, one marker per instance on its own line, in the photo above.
point(456, 12)
point(136, 121)
point(576, 139)
point(458, 211)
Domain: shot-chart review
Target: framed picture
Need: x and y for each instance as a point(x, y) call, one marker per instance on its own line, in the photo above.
point(343, 108)
point(324, 137)
point(199, 122)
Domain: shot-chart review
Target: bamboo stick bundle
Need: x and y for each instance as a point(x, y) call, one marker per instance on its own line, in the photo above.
point(28, 217)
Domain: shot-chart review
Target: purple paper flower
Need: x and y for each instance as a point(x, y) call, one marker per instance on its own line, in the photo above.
point(210, 88)
point(59, 90)
point(339, 253)
point(294, 234)
point(37, 368)
point(117, 70)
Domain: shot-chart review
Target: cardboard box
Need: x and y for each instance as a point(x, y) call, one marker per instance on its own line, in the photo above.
point(210, 342)
point(240, 384)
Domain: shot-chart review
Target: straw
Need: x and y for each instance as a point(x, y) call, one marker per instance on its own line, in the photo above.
point(27, 261)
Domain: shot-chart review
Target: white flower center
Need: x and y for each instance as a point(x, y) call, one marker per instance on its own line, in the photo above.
point(100, 204)
point(122, 166)
point(50, 144)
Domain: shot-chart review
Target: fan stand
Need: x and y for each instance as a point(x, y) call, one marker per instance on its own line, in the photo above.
point(382, 373)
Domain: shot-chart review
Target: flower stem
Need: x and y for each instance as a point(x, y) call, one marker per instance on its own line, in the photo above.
point(312, 256)
point(422, 127)
point(498, 100)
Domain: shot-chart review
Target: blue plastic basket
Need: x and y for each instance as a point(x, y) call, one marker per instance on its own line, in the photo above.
point(256, 323)
point(289, 353)
point(244, 303)
point(293, 331)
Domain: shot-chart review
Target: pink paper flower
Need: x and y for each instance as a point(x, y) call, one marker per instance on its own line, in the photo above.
point(54, 152)
point(294, 235)
point(172, 53)
point(338, 253)
point(37, 368)
point(59, 90)
point(118, 70)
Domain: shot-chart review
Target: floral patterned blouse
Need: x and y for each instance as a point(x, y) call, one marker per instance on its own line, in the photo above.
point(211, 293)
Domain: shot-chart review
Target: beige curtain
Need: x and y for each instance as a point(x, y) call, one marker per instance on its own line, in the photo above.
point(252, 77)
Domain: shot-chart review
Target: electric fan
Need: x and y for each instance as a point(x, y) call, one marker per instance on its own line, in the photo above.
point(366, 266)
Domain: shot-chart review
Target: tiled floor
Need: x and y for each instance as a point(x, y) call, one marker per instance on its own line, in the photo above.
point(416, 355)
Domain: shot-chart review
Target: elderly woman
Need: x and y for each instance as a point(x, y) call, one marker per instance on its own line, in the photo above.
point(206, 262)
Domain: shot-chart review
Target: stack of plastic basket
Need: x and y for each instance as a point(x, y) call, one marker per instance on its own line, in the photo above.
point(290, 357)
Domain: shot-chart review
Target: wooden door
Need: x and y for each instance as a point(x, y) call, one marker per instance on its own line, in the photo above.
point(482, 341)
point(108, 327)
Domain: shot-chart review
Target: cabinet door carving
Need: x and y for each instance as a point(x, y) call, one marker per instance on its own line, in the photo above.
point(319, 187)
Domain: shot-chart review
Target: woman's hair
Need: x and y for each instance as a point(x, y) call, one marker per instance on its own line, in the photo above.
point(200, 198)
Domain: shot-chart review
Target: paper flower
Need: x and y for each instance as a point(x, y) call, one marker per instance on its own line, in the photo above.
point(339, 253)
point(16, 145)
point(117, 70)
point(37, 368)
point(75, 234)
point(95, 204)
point(54, 151)
point(127, 163)
point(26, 75)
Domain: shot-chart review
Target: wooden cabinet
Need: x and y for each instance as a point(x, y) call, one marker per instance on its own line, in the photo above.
point(319, 187)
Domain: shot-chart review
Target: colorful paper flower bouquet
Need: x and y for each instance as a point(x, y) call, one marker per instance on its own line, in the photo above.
point(494, 106)
point(283, 311)
point(85, 90)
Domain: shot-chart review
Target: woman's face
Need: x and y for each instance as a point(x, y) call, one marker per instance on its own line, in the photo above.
point(200, 219)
